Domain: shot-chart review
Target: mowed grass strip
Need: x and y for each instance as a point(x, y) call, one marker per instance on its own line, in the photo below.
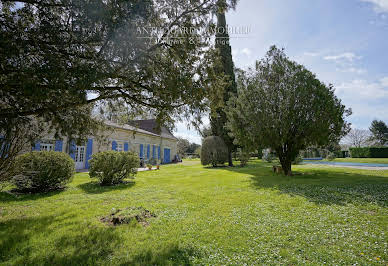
point(205, 216)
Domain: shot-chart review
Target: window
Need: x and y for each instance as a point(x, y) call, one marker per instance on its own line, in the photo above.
point(80, 153)
point(46, 147)
point(120, 146)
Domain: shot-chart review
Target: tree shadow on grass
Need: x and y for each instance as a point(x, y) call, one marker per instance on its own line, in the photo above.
point(171, 255)
point(95, 188)
point(63, 240)
point(31, 241)
point(9, 196)
point(322, 186)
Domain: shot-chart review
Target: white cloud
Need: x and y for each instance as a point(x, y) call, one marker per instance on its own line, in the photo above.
point(345, 56)
point(361, 90)
point(312, 54)
point(353, 70)
point(244, 51)
point(379, 5)
point(384, 82)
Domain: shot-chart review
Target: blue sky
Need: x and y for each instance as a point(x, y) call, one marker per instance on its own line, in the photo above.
point(344, 42)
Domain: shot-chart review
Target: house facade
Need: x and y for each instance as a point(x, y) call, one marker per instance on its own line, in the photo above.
point(142, 137)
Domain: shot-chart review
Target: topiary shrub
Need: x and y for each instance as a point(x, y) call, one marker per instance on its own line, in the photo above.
point(42, 171)
point(111, 167)
point(213, 151)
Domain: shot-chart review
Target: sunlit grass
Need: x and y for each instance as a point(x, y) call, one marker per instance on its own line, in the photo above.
point(205, 216)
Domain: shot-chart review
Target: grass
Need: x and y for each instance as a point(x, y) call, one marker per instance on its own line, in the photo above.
point(362, 160)
point(205, 216)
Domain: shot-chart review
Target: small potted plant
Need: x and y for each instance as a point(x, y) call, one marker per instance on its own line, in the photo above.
point(149, 166)
point(158, 165)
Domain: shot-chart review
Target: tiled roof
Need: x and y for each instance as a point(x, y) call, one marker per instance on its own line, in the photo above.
point(151, 125)
point(143, 127)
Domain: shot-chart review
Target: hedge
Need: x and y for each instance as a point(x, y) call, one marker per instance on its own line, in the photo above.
point(369, 152)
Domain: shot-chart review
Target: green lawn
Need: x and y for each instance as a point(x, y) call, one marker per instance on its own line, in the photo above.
point(362, 160)
point(206, 216)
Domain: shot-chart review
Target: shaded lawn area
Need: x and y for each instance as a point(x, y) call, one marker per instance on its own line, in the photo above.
point(361, 160)
point(205, 216)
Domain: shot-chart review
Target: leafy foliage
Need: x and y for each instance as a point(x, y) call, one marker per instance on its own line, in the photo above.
point(214, 151)
point(185, 146)
point(243, 157)
point(379, 132)
point(58, 59)
point(112, 167)
point(283, 106)
point(54, 54)
point(42, 171)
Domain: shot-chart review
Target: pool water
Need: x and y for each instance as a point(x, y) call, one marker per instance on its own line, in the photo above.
point(347, 163)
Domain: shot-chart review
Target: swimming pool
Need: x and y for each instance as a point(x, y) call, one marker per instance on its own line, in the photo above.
point(347, 163)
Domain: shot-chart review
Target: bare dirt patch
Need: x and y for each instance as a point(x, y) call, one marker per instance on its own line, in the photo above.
point(128, 216)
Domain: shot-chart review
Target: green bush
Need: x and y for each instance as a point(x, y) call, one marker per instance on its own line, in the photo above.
point(243, 157)
point(111, 167)
point(42, 171)
point(369, 152)
point(214, 151)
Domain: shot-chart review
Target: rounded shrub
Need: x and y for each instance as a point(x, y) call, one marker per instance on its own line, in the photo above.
point(214, 151)
point(42, 171)
point(111, 167)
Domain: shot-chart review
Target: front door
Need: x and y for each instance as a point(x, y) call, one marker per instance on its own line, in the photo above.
point(166, 154)
point(80, 157)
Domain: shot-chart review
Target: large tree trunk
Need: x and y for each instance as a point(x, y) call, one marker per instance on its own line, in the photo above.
point(286, 165)
point(230, 159)
point(285, 161)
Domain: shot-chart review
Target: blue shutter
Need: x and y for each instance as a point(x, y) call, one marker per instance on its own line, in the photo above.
point(72, 150)
point(37, 146)
point(141, 150)
point(114, 145)
point(148, 151)
point(58, 145)
point(153, 151)
point(89, 152)
point(158, 152)
point(126, 146)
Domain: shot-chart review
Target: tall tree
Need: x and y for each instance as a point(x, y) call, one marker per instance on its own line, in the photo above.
point(379, 132)
point(182, 146)
point(59, 57)
point(357, 137)
point(218, 117)
point(283, 106)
